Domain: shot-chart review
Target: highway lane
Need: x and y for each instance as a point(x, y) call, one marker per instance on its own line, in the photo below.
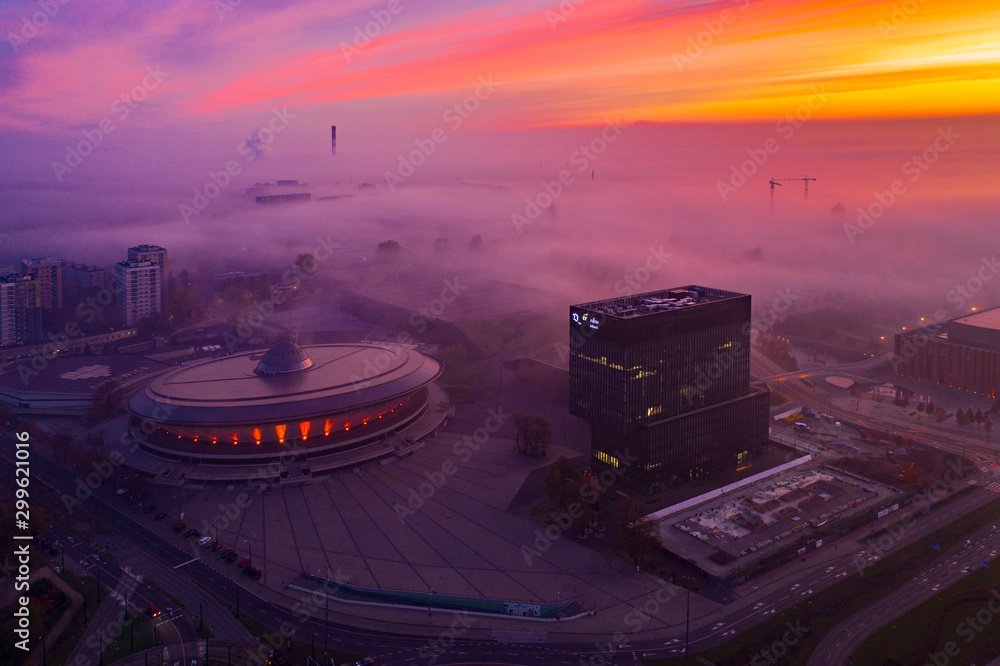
point(838, 645)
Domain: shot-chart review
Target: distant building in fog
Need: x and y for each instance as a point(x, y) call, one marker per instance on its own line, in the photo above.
point(158, 256)
point(20, 309)
point(139, 289)
point(85, 276)
point(663, 379)
point(278, 199)
point(49, 273)
point(963, 353)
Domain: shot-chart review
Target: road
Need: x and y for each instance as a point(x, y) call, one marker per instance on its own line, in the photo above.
point(838, 645)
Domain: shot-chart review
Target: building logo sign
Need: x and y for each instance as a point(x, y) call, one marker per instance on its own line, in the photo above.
point(586, 319)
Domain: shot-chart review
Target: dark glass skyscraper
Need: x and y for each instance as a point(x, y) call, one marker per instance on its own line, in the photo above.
point(663, 378)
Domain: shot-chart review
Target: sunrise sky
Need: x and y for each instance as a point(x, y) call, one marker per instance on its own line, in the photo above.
point(560, 63)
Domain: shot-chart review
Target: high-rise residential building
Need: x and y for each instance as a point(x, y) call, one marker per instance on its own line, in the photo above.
point(155, 254)
point(20, 310)
point(663, 378)
point(84, 275)
point(49, 273)
point(138, 285)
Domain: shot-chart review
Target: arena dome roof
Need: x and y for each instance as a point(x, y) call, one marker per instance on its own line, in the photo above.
point(283, 357)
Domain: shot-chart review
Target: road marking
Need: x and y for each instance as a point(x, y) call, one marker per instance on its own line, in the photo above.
point(193, 559)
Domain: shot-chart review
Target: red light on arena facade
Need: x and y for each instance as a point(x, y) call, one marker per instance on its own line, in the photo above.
point(235, 437)
point(327, 427)
point(304, 428)
point(280, 430)
point(256, 433)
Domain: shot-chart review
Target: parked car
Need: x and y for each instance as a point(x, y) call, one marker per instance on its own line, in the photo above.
point(153, 611)
point(160, 516)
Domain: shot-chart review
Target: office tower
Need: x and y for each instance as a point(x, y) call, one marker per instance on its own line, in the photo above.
point(20, 310)
point(663, 378)
point(138, 285)
point(49, 273)
point(333, 139)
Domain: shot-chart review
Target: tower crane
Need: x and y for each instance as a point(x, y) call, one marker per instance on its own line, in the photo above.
point(777, 181)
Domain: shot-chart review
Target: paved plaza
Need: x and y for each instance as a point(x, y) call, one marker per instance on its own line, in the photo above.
point(435, 520)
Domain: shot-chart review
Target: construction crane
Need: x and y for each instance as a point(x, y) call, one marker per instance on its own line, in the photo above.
point(775, 181)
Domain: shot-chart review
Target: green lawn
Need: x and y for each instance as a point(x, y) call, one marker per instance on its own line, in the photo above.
point(302, 645)
point(825, 610)
point(942, 619)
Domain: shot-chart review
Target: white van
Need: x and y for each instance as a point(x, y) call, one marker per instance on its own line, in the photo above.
point(204, 541)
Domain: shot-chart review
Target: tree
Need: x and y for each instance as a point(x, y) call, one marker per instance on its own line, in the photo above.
point(979, 415)
point(961, 417)
point(539, 434)
point(635, 534)
point(476, 244)
point(562, 483)
point(389, 247)
point(520, 430)
point(920, 406)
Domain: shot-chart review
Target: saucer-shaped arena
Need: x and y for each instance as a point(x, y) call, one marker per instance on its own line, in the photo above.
point(310, 401)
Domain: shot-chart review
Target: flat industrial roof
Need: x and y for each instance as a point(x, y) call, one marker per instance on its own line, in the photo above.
point(655, 302)
point(986, 319)
point(76, 374)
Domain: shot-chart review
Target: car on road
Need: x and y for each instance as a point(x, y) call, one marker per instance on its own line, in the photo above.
point(160, 516)
point(153, 611)
point(367, 661)
point(121, 491)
